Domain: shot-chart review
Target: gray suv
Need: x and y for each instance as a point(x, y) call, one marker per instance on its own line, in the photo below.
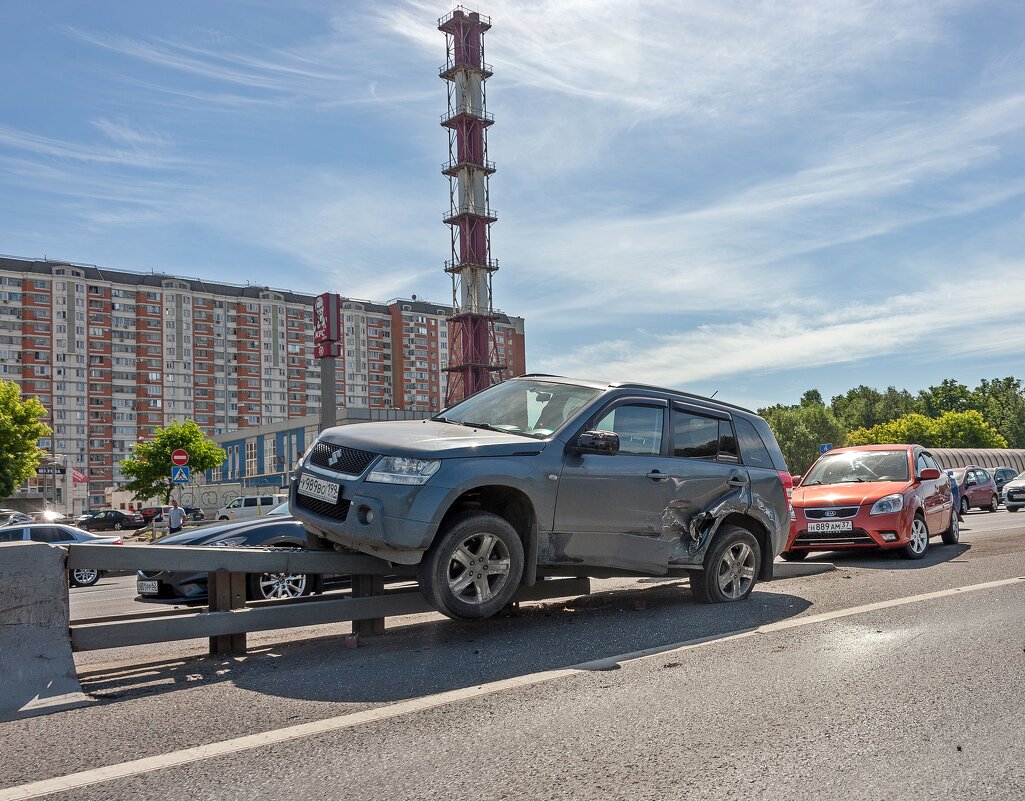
point(543, 476)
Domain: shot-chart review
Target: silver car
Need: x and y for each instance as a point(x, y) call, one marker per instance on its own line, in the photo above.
point(57, 534)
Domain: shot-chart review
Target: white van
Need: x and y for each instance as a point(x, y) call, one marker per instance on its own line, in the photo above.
point(253, 506)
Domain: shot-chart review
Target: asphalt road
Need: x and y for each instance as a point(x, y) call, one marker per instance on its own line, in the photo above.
point(882, 679)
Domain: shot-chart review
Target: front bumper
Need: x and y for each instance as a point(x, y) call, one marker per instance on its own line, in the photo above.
point(865, 531)
point(391, 521)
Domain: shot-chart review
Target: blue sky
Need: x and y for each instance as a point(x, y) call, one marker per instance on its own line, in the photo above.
point(746, 197)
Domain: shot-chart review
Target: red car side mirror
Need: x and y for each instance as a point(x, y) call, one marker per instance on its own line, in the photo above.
point(929, 474)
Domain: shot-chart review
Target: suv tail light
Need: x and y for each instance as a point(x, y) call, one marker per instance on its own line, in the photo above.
point(118, 542)
point(788, 488)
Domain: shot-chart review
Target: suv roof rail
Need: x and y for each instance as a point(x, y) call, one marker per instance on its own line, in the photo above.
point(637, 385)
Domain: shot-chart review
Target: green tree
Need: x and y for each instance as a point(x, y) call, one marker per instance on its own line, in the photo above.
point(966, 430)
point(21, 426)
point(912, 429)
point(949, 430)
point(1002, 402)
point(800, 430)
point(865, 407)
point(948, 396)
point(149, 466)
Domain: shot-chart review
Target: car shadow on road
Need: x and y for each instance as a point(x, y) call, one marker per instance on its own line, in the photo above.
point(416, 658)
point(877, 559)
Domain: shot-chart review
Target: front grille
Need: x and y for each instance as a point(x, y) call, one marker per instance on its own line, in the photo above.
point(350, 461)
point(831, 513)
point(336, 511)
point(833, 539)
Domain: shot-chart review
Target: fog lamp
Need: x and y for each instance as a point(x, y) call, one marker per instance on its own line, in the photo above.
point(889, 536)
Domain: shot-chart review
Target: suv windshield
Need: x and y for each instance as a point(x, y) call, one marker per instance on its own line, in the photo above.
point(858, 466)
point(531, 408)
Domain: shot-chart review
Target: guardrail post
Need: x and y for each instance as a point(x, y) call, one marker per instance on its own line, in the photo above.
point(227, 591)
point(364, 587)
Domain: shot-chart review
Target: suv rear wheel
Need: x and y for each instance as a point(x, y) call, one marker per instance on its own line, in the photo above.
point(731, 567)
point(473, 569)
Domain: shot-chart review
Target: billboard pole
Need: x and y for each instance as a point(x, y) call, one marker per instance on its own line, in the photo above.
point(327, 335)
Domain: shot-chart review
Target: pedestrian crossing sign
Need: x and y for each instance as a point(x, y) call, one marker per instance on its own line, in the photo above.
point(180, 475)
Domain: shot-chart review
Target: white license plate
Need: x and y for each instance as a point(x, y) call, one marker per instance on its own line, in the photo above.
point(314, 487)
point(147, 587)
point(831, 525)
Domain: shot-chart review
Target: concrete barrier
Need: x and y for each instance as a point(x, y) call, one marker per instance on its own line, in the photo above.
point(37, 672)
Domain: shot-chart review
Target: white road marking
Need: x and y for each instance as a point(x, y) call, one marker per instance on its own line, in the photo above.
point(149, 764)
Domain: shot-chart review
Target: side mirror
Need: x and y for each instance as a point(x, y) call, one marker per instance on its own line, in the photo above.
point(601, 442)
point(971, 482)
point(929, 474)
point(797, 481)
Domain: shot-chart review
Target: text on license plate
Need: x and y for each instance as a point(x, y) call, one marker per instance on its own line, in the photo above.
point(831, 525)
point(314, 487)
point(147, 587)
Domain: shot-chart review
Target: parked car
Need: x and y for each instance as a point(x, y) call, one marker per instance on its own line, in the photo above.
point(1014, 493)
point(252, 506)
point(978, 489)
point(159, 513)
point(872, 496)
point(278, 532)
point(113, 519)
point(9, 516)
point(1001, 475)
point(49, 516)
point(57, 534)
point(566, 476)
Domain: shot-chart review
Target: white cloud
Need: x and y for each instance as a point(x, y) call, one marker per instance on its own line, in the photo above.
point(947, 319)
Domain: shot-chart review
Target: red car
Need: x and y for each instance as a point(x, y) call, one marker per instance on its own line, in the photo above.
point(872, 496)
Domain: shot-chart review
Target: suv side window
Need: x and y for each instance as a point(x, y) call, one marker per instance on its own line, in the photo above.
point(639, 428)
point(752, 449)
point(982, 476)
point(695, 436)
point(920, 464)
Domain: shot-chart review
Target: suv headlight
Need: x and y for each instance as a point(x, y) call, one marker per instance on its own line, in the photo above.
point(401, 470)
point(888, 505)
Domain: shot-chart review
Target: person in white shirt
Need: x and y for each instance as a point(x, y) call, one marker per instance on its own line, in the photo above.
point(175, 518)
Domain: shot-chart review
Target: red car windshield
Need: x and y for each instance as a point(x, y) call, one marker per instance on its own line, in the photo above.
point(858, 466)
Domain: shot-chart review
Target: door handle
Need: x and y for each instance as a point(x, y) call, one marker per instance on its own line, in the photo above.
point(657, 475)
point(737, 480)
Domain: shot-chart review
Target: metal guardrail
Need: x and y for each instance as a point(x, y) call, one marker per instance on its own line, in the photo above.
point(230, 617)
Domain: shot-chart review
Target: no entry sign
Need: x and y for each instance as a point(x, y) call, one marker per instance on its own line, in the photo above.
point(180, 457)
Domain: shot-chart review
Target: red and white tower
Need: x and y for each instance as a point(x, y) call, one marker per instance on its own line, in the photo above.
point(473, 349)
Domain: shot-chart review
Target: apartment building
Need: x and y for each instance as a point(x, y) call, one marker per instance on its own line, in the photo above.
point(116, 354)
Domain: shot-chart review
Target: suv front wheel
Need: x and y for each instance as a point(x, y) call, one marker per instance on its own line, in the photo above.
point(473, 568)
point(731, 567)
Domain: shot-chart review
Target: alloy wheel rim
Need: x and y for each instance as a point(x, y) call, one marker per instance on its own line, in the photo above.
point(955, 528)
point(919, 536)
point(478, 568)
point(84, 576)
point(282, 585)
point(736, 571)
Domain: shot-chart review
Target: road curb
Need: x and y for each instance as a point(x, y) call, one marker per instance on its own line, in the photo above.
point(788, 570)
